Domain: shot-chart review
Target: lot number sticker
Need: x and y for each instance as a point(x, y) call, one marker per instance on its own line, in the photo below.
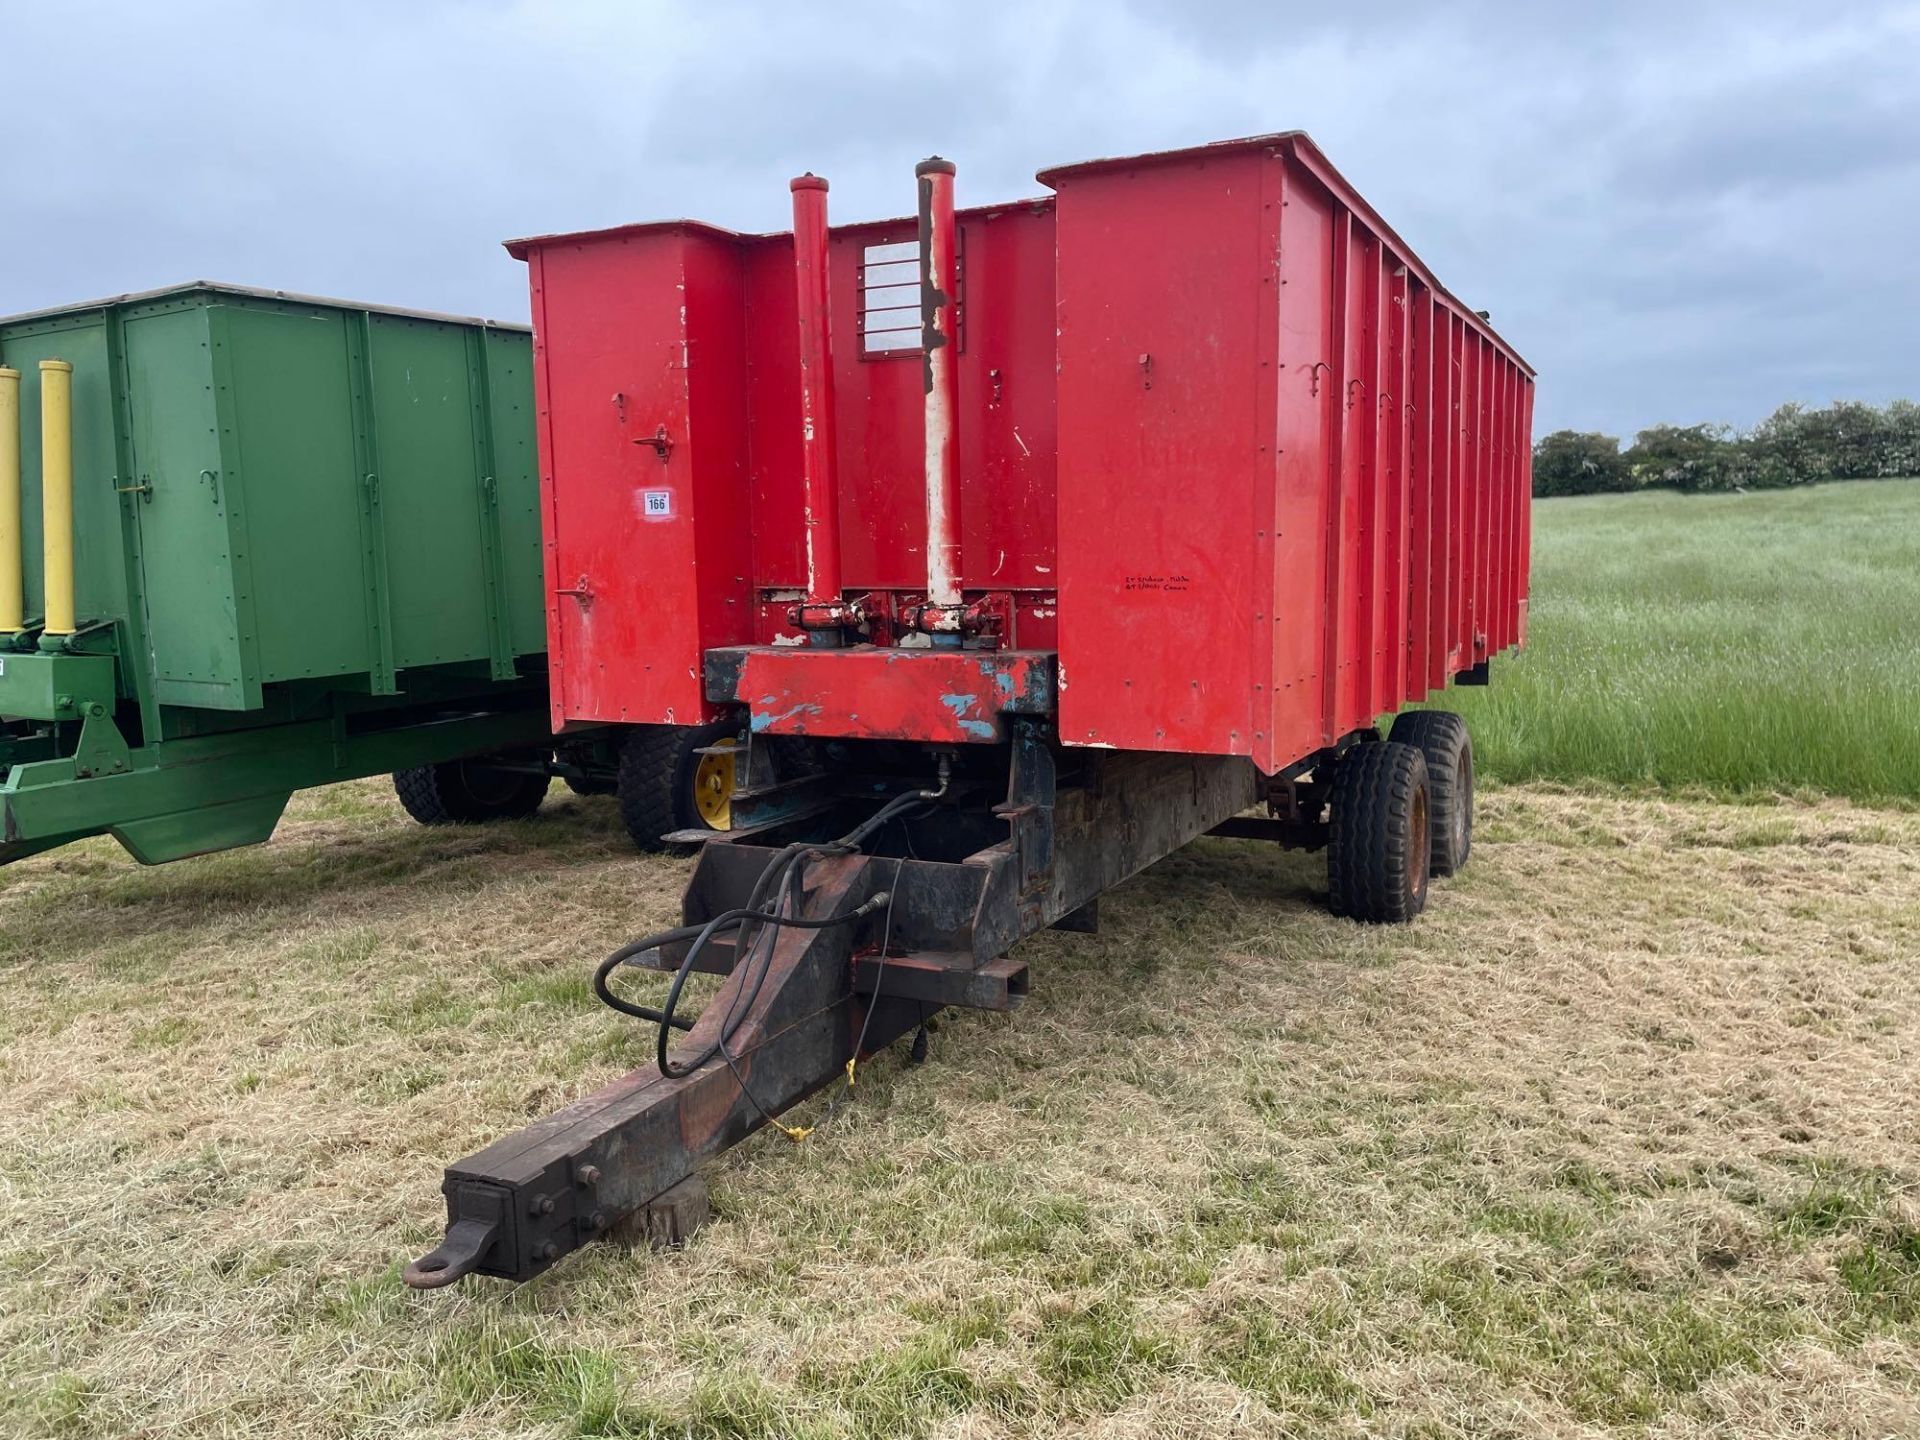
point(656, 504)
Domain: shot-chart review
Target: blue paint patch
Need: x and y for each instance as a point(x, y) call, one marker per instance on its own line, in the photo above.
point(1004, 680)
point(760, 722)
point(960, 704)
point(979, 729)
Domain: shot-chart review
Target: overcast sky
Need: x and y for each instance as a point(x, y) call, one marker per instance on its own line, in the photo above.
point(1677, 211)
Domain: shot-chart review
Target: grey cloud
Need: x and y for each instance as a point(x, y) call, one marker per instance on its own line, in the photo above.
point(1677, 211)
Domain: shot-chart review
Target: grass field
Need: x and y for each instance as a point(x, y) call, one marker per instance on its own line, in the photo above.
point(1619, 1139)
point(1767, 642)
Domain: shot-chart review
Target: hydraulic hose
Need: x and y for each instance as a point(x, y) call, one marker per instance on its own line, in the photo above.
point(756, 926)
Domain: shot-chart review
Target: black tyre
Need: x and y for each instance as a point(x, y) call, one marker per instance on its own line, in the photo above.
point(1380, 848)
point(667, 785)
point(466, 792)
point(583, 786)
point(1443, 739)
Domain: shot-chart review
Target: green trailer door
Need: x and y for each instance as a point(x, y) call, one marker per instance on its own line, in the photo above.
point(186, 551)
point(296, 495)
point(442, 584)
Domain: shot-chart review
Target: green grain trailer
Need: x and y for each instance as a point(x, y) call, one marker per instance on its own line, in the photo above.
point(305, 547)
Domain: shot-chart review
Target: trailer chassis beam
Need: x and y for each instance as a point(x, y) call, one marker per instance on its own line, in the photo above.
point(519, 1205)
point(201, 793)
point(534, 1196)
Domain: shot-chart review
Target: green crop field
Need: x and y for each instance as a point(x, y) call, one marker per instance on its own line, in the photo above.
point(1739, 643)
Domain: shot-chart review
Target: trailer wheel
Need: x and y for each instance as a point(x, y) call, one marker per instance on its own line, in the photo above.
point(466, 792)
point(667, 785)
point(1380, 847)
point(1442, 737)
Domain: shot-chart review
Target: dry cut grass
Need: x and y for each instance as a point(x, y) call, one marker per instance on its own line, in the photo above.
point(1619, 1139)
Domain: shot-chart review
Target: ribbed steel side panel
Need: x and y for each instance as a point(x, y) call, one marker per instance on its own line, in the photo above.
point(1298, 527)
point(281, 490)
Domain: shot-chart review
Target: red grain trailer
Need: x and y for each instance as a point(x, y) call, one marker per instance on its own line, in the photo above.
point(976, 561)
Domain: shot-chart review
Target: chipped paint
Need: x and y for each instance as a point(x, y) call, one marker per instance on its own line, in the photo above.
point(760, 722)
point(938, 696)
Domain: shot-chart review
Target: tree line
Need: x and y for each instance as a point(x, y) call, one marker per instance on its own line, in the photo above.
point(1793, 446)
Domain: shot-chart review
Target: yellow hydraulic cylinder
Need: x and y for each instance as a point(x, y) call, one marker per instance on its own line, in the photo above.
point(56, 491)
point(13, 610)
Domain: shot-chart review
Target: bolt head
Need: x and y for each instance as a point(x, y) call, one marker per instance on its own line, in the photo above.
point(588, 1174)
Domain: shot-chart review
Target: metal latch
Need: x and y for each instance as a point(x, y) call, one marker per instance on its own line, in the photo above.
point(659, 440)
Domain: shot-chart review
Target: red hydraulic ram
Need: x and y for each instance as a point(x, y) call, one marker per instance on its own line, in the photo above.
point(824, 613)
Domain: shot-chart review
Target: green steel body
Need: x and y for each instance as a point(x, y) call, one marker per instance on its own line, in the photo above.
point(307, 548)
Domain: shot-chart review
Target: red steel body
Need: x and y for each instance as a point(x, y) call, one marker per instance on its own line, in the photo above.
point(1228, 458)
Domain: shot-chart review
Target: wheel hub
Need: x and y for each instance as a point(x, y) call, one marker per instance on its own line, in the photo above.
point(713, 783)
